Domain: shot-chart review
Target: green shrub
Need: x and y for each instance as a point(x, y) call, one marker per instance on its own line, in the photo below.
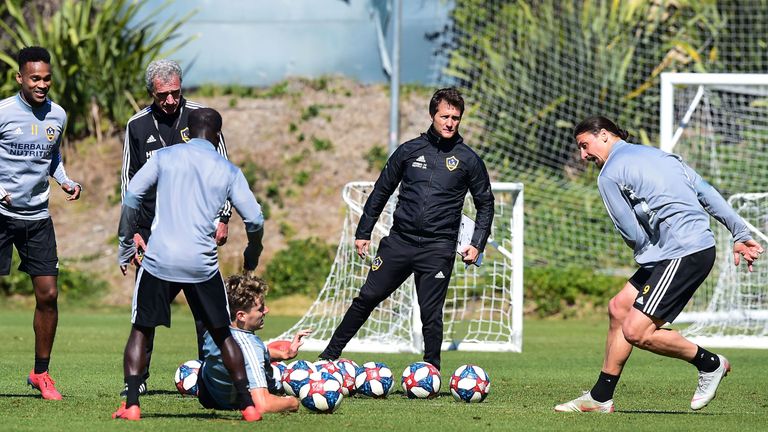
point(73, 284)
point(301, 268)
point(99, 52)
point(567, 291)
point(321, 144)
point(376, 157)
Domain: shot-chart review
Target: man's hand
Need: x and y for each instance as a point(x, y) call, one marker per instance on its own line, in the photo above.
point(362, 247)
point(73, 192)
point(749, 249)
point(297, 342)
point(140, 246)
point(222, 233)
point(6, 199)
point(469, 254)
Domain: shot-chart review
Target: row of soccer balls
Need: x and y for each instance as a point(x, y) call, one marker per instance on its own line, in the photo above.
point(322, 385)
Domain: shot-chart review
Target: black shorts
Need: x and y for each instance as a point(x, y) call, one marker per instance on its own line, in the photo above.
point(35, 240)
point(204, 397)
point(666, 288)
point(152, 299)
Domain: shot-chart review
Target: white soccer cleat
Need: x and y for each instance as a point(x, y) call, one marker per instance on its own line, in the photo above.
point(585, 403)
point(708, 383)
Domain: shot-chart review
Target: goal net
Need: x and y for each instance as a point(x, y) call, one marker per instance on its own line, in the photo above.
point(483, 308)
point(718, 123)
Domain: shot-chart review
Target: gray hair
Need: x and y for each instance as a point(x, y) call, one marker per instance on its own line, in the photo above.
point(163, 70)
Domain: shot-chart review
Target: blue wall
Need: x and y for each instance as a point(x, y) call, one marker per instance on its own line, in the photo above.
point(260, 42)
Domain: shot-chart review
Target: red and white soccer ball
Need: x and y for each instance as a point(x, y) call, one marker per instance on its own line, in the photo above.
point(469, 383)
point(421, 380)
point(374, 380)
point(186, 377)
point(278, 368)
point(329, 366)
point(348, 371)
point(296, 375)
point(321, 393)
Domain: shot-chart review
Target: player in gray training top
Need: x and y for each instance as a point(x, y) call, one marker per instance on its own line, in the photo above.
point(659, 205)
point(31, 130)
point(192, 182)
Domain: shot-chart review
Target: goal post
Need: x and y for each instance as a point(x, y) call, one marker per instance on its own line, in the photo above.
point(718, 123)
point(483, 310)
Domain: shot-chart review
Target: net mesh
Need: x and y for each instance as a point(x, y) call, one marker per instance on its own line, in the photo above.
point(483, 308)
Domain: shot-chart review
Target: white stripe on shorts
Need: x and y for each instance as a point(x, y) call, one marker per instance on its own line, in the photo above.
point(664, 283)
point(136, 295)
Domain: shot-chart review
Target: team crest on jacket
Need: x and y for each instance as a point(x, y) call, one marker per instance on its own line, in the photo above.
point(377, 262)
point(50, 133)
point(185, 134)
point(451, 163)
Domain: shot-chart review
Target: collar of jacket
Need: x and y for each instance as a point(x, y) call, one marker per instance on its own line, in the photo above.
point(435, 138)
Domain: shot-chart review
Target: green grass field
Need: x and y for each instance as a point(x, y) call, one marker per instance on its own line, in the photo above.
point(560, 359)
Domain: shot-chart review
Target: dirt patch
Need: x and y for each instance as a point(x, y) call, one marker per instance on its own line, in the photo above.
point(303, 146)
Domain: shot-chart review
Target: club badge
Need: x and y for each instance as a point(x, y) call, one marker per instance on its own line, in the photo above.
point(185, 134)
point(451, 163)
point(50, 133)
point(377, 262)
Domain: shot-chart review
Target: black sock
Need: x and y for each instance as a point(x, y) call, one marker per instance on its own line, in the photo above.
point(41, 364)
point(705, 361)
point(132, 397)
point(243, 396)
point(604, 387)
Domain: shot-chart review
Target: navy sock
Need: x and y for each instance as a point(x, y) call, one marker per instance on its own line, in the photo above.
point(604, 387)
point(132, 397)
point(243, 396)
point(41, 364)
point(705, 361)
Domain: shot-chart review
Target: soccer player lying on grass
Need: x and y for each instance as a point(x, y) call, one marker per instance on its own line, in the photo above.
point(661, 208)
point(247, 310)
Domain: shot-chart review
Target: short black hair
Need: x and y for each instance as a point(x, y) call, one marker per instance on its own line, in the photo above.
point(449, 95)
point(33, 54)
point(594, 124)
point(204, 119)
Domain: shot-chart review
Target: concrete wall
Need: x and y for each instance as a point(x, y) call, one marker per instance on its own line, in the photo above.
point(260, 42)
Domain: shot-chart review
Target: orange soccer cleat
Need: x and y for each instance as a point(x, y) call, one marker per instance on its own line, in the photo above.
point(133, 412)
point(45, 384)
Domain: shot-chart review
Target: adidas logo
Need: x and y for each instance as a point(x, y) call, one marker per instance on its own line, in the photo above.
point(421, 159)
point(18, 131)
point(639, 301)
point(151, 139)
point(440, 275)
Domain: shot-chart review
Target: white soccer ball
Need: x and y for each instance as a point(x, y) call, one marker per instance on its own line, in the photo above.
point(186, 377)
point(321, 393)
point(278, 368)
point(331, 367)
point(296, 375)
point(374, 380)
point(470, 383)
point(421, 380)
point(348, 371)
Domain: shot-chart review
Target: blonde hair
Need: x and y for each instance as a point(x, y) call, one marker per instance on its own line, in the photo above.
point(243, 291)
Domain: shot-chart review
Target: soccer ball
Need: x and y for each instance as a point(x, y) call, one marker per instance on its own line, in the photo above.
point(374, 380)
point(278, 368)
point(330, 367)
point(348, 371)
point(470, 383)
point(321, 393)
point(186, 377)
point(296, 375)
point(421, 380)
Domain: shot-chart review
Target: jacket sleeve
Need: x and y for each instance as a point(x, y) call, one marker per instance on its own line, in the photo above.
point(57, 171)
point(130, 160)
point(482, 195)
point(383, 188)
point(622, 214)
point(250, 210)
point(717, 206)
point(144, 179)
point(226, 212)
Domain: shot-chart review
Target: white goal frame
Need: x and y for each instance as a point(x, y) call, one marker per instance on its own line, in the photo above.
point(508, 253)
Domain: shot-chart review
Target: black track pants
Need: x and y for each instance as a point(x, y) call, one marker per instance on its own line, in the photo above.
point(431, 265)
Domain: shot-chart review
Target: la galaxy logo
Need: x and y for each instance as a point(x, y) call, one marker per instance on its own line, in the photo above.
point(377, 262)
point(185, 134)
point(50, 133)
point(451, 163)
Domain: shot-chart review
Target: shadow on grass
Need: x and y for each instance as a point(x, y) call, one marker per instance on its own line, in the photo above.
point(662, 412)
point(161, 392)
point(212, 415)
point(10, 395)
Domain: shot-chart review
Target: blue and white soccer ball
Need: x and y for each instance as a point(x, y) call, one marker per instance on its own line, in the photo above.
point(470, 383)
point(296, 375)
point(186, 377)
point(331, 367)
point(374, 380)
point(278, 368)
point(321, 393)
point(348, 371)
point(421, 380)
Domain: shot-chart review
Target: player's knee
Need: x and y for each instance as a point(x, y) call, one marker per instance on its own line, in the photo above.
point(46, 296)
point(367, 301)
point(617, 310)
